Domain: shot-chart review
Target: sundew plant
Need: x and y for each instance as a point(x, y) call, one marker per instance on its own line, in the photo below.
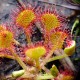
point(55, 44)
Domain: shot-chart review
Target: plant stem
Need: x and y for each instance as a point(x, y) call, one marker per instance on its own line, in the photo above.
point(57, 57)
point(28, 38)
point(66, 62)
point(74, 25)
point(76, 34)
point(44, 76)
point(16, 42)
point(22, 64)
point(37, 64)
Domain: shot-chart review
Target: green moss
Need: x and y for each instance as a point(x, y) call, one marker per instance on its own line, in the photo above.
point(76, 1)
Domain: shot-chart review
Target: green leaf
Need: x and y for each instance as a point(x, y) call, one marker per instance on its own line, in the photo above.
point(54, 71)
point(19, 73)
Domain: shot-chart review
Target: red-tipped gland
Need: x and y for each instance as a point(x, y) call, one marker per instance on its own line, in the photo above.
point(57, 39)
point(50, 21)
point(6, 39)
point(25, 18)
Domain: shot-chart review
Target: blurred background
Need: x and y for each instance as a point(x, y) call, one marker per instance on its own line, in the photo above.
point(69, 8)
